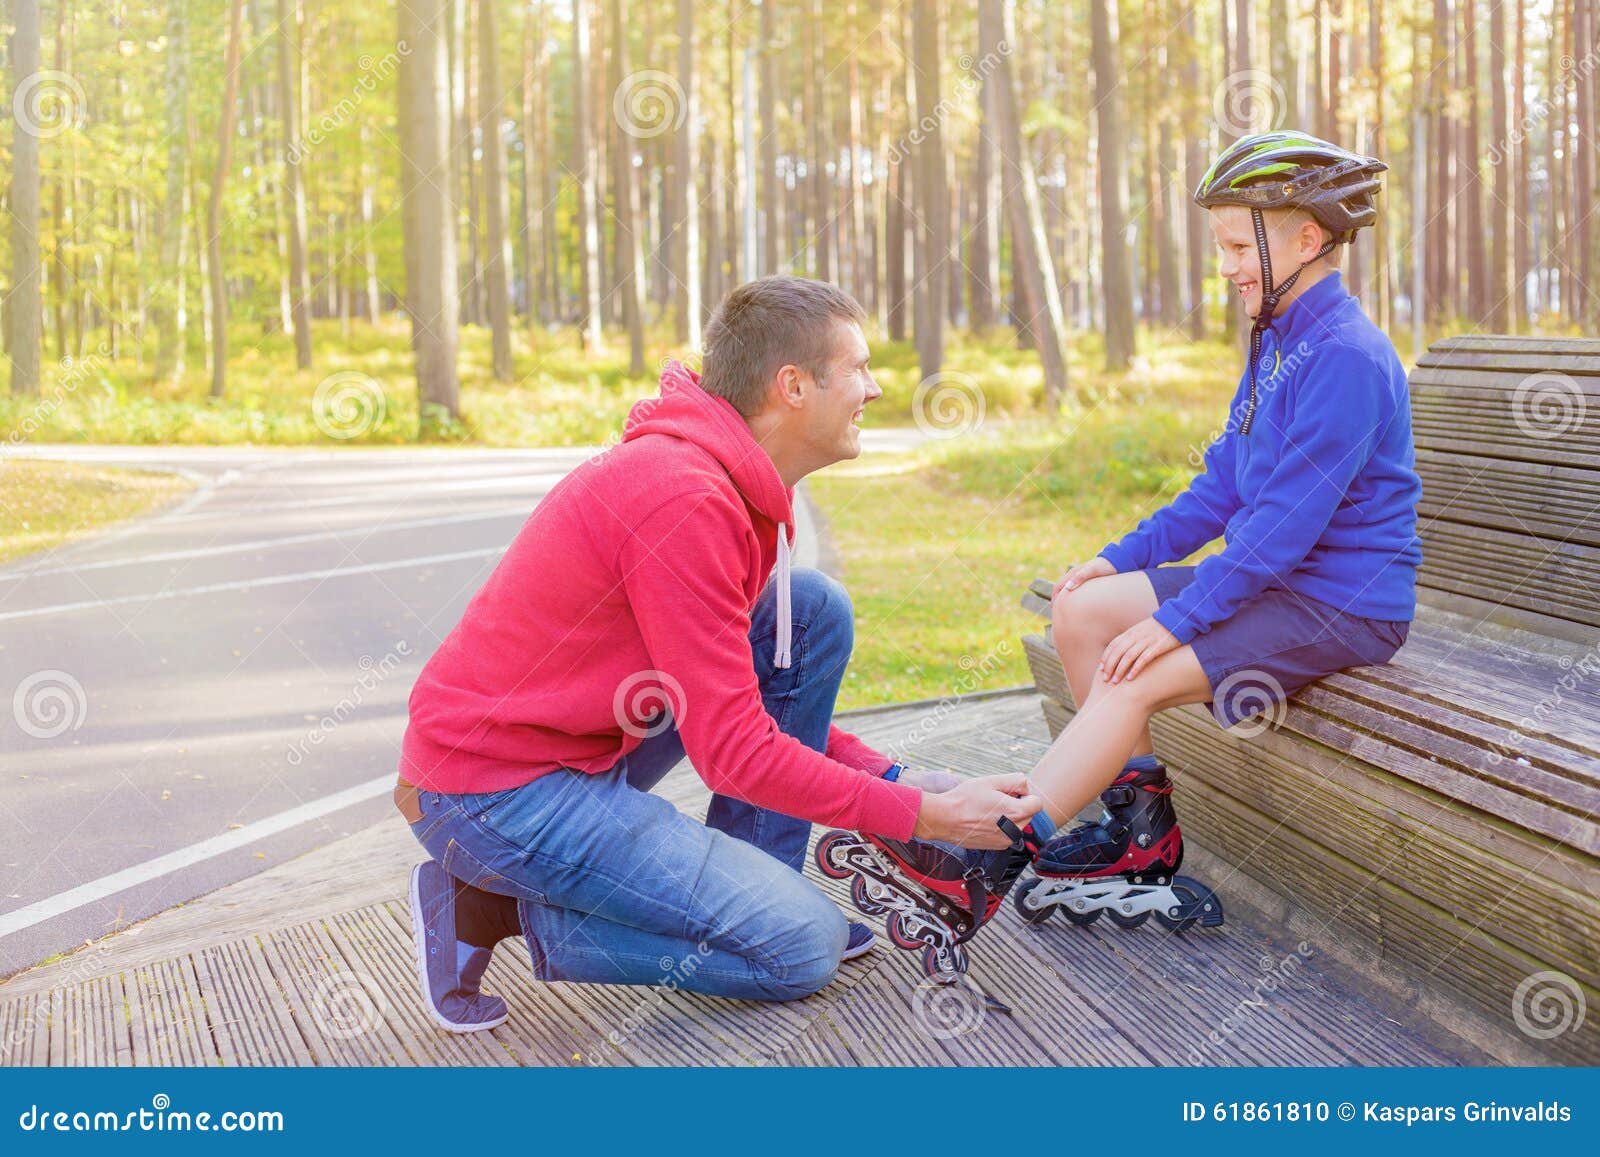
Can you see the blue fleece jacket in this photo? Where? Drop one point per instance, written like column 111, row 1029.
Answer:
column 1320, row 497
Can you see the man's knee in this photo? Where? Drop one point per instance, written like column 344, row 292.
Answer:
column 809, row 956
column 823, row 605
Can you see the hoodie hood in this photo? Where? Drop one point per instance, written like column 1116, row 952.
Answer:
column 683, row 410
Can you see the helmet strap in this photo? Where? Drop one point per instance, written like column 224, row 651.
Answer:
column 1270, row 296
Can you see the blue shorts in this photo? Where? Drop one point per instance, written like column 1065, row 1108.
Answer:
column 1277, row 643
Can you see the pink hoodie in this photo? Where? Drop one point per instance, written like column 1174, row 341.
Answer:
column 628, row 589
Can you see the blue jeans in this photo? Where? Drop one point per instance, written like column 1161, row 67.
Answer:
column 616, row 886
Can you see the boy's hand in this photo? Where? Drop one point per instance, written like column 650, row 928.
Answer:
column 1135, row 649
column 969, row 813
column 1075, row 577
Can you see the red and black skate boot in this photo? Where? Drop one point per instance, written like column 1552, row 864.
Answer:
column 1124, row 866
column 933, row 896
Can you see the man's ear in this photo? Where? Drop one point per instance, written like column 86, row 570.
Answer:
column 790, row 386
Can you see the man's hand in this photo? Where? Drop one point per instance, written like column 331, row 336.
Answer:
column 928, row 780
column 969, row 813
column 1076, row 576
column 1135, row 649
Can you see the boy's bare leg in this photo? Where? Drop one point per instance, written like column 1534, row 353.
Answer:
column 1085, row 620
column 1113, row 719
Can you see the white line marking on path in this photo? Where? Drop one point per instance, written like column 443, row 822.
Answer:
column 62, row 902
column 266, row 543
column 251, row 584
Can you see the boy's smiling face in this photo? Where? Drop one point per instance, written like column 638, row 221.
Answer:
column 1292, row 239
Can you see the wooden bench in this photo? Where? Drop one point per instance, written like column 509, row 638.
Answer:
column 1436, row 818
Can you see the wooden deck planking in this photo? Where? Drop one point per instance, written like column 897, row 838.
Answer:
column 338, row 987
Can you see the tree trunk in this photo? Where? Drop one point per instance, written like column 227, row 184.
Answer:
column 983, row 268
column 1522, row 209
column 588, row 194
column 1115, row 277
column 219, row 184
column 770, row 191
column 1501, row 273
column 934, row 216
column 167, row 295
column 428, row 206
column 631, row 287
column 686, row 271
column 289, row 81
column 1194, row 164
column 1476, row 224
column 1041, row 318
column 24, row 315
column 497, row 268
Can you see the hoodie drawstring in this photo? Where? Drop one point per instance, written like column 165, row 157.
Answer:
column 780, row 654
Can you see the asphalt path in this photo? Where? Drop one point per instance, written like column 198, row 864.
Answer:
column 189, row 698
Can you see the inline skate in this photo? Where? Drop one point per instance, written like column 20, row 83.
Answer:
column 933, row 896
column 1125, row 866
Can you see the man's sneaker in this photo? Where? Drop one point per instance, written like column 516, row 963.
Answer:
column 448, row 970
column 860, row 943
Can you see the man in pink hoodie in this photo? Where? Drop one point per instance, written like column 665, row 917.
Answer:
column 648, row 610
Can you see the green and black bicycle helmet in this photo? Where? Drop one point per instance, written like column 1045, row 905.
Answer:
column 1291, row 170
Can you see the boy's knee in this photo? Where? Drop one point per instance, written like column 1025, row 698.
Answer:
column 1074, row 623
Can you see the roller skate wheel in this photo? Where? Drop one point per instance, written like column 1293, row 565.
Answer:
column 829, row 860
column 861, row 897
column 1080, row 918
column 899, row 929
column 944, row 967
column 1122, row 920
column 1029, row 912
